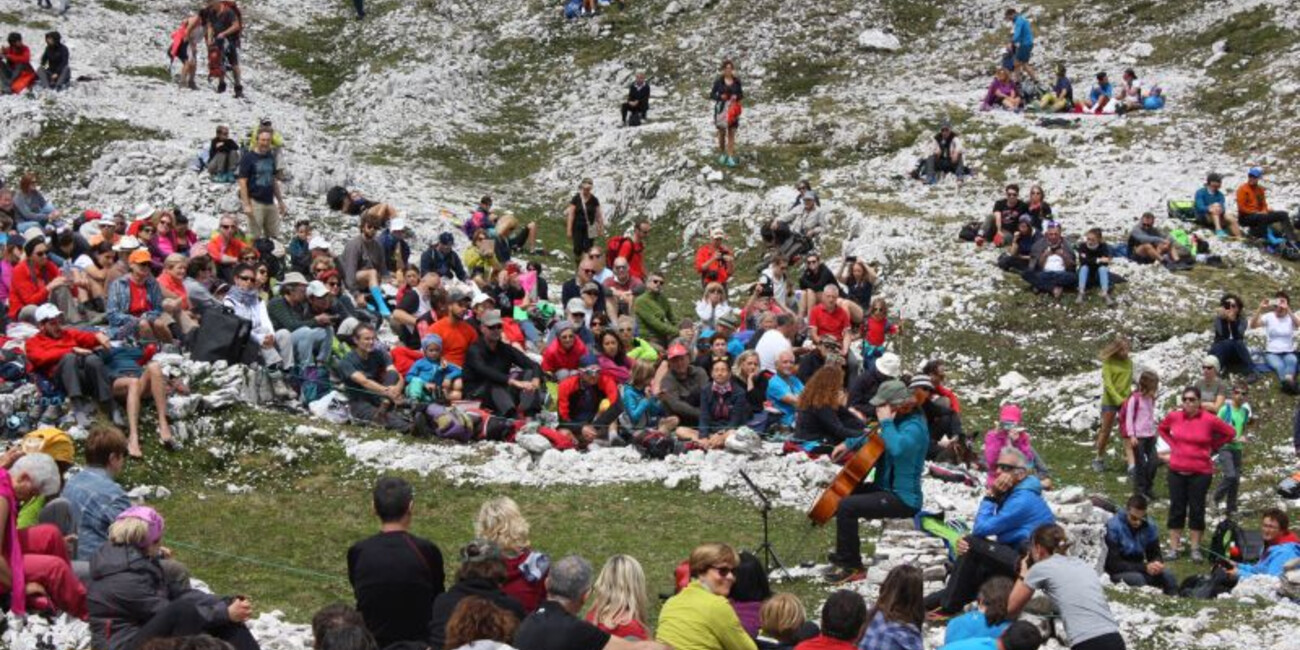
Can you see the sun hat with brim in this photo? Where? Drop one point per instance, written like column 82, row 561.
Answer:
column 293, row 277
column 893, row 393
column 52, row 442
column 47, row 312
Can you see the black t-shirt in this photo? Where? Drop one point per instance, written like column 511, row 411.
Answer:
column 260, row 170
column 395, row 578
column 584, row 220
column 552, row 627
column 410, row 303
column 817, row 280
column 372, row 367
column 1010, row 215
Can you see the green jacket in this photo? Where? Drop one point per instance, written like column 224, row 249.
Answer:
column 655, row 315
column 1116, row 381
column 697, row 619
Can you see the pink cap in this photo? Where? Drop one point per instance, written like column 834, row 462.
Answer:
column 1009, row 413
column 677, row 350
column 150, row 517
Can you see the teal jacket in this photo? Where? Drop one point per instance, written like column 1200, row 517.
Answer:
column 899, row 470
column 1273, row 560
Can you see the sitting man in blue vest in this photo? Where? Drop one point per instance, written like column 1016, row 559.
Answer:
column 1133, row 549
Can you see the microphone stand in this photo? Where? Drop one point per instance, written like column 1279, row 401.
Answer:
column 766, row 550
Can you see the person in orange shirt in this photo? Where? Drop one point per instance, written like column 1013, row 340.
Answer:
column 457, row 335
column 226, row 247
column 1252, row 208
column 714, row 260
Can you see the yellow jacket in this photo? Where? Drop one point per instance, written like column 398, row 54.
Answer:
column 697, row 619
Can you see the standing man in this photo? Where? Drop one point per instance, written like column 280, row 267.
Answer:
column 224, row 23
column 638, row 101
column 584, row 216
column 259, row 189
column 1022, row 44
column 395, row 575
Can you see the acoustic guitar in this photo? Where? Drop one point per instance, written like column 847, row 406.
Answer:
column 851, row 475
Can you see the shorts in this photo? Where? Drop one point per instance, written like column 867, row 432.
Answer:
column 183, row 53
column 1023, row 52
column 1109, row 408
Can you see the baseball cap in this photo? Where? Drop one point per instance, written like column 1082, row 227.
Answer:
column 457, row 296
column 480, row 298
column 676, row 350
column 397, row 224
column 729, row 321
column 889, row 364
column 149, row 516
column 92, row 215
column 921, row 381
column 892, row 392
column 52, row 442
column 318, row 243
column 292, row 277
column 140, row 256
column 810, row 196
column 591, row 287
column 1010, row 414
column 317, row 289
column 576, row 306
column 491, row 318
column 1255, row 172
column 589, row 362
column 348, row 326
column 47, row 312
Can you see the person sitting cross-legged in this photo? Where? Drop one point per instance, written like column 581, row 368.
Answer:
column 588, row 403
column 489, row 373
column 374, row 387
column 1133, row 549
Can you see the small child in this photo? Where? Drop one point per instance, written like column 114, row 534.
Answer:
column 1094, row 258
column 1139, row 431
column 1011, row 433
column 431, row 379
column 300, row 247
column 989, row 620
column 1237, row 413
column 875, row 328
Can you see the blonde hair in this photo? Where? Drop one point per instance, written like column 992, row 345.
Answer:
column 642, row 373
column 781, row 616
column 1118, row 348
column 619, row 593
column 500, row 521
column 712, row 554
column 129, row 531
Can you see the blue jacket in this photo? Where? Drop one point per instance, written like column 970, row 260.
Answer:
column 972, row 625
column 1129, row 550
column 1021, row 34
column 427, row 372
column 1272, row 561
column 899, row 470
column 1205, row 198
column 641, row 410
column 1013, row 518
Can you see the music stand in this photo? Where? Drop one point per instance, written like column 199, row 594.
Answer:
column 766, row 550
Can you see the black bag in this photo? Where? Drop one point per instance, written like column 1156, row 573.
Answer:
column 634, row 118
column 266, row 254
column 221, row 335
column 969, row 231
column 1207, row 587
column 1231, row 541
column 1289, row 488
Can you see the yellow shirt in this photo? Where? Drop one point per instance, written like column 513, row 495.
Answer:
column 697, row 619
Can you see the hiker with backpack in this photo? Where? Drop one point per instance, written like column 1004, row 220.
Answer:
column 1133, row 554
column 637, row 104
column 1193, row 435
column 727, row 94
column 1209, row 205
column 631, row 248
column 583, row 218
column 185, row 46
column 224, row 25
column 1254, row 213
column 1238, row 413
column 1279, row 324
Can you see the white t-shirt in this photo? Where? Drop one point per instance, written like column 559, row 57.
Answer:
column 1280, row 332
column 1054, row 262
column 772, row 343
column 84, row 262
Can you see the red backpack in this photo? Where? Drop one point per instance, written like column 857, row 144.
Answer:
column 614, row 249
column 1127, row 407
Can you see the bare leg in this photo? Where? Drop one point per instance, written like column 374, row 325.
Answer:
column 1103, row 436
column 128, row 389
column 731, row 141
column 722, row 141
column 157, row 387
column 1196, row 538
column 161, row 333
column 532, row 235
column 1176, row 539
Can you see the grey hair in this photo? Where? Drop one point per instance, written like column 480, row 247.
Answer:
column 570, row 578
column 1021, row 458
column 41, row 471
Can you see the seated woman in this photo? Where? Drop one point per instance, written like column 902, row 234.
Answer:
column 135, row 304
column 132, row 601
column 34, row 566
column 1020, row 256
column 989, row 619
column 36, row 280
column 176, row 298
column 614, row 360
column 859, row 282
column 749, row 374
column 148, row 236
column 481, row 259
column 131, row 383
column 1002, row 93
column 174, row 233
column 1279, row 324
column 642, row 408
column 94, row 264
column 712, row 305
column 749, row 591
column 1229, row 345
column 500, row 522
column 563, row 356
column 896, row 620
column 724, row 406
column 896, row 492
column 33, row 209
column 699, row 616
column 481, row 574
column 619, row 599
column 824, row 418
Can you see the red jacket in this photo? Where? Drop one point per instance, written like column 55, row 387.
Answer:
column 711, row 270
column 44, row 352
column 823, row 642
column 557, row 358
column 19, row 56
column 530, row 594
column 567, row 387
column 27, row 290
column 1193, row 440
column 634, row 252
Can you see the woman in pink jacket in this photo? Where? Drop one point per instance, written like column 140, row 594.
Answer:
column 1193, row 434
column 1011, row 433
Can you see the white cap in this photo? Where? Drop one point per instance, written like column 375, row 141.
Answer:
column 142, row 211
column 397, row 224
column 317, row 289
column 348, row 326
column 47, row 312
column 318, row 243
column 127, row 243
column 576, row 306
column 479, row 298
column 33, row 233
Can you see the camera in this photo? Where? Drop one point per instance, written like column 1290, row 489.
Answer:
column 851, row 259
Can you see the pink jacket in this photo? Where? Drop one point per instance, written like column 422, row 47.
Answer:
column 1192, row 440
column 994, row 441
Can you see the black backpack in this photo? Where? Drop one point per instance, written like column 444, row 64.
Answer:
column 1231, row 541
column 221, row 335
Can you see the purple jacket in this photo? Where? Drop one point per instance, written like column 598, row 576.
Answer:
column 747, row 612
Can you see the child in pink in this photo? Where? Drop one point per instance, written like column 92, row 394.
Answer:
column 1010, row 433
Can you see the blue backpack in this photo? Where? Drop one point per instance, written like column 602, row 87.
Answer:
column 572, row 9
column 315, row 383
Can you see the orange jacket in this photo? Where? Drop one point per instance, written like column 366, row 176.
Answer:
column 711, row 270
column 1250, row 199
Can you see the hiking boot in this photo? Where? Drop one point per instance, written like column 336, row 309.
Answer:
column 191, row 85
column 1110, row 302
column 722, row 159
column 281, row 389
column 1221, row 234
column 731, row 161
column 239, row 91
column 221, row 86
column 1196, row 556
column 1098, row 465
column 1078, row 300
column 838, row 575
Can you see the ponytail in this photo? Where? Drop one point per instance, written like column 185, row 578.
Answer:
column 1051, row 538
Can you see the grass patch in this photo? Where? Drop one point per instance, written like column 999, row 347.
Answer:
column 914, row 18
column 330, row 50
column 161, row 73
column 122, row 7
column 801, row 75
column 303, row 514
column 65, row 148
column 1001, row 156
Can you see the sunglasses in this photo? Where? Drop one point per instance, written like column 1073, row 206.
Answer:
column 40, row 253
column 493, row 327
column 1007, row 467
column 245, row 278
column 586, row 271
column 331, row 284
column 1238, row 392
column 1191, row 398
column 656, row 281
column 723, row 571
column 146, row 230
column 591, row 372
column 226, row 226
column 620, row 268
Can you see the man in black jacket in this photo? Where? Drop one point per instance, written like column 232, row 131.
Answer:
column 638, row 101
column 488, row 366
column 54, row 72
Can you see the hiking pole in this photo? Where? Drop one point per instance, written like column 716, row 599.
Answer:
column 766, row 549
